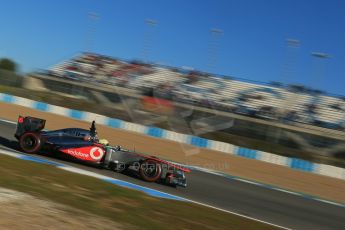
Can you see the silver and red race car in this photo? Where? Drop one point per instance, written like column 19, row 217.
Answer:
column 84, row 145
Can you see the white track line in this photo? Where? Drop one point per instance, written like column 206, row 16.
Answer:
column 328, row 202
column 7, row 121
column 247, row 181
column 287, row 191
column 236, row 214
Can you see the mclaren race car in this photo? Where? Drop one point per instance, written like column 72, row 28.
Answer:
column 84, row 145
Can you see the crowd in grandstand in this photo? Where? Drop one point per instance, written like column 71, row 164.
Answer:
column 267, row 101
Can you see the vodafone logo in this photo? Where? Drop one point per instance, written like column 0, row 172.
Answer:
column 89, row 153
column 76, row 153
column 96, row 153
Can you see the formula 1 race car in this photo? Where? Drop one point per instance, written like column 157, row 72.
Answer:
column 84, row 145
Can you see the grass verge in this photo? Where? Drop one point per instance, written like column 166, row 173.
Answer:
column 132, row 209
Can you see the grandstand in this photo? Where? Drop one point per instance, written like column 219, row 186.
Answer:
column 287, row 104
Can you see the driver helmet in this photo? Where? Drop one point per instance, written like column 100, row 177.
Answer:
column 103, row 141
column 87, row 138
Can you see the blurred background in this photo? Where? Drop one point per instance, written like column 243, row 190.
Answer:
column 264, row 75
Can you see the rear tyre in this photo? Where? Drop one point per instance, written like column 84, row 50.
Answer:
column 30, row 142
column 150, row 170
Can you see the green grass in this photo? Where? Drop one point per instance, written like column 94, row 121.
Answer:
column 132, row 209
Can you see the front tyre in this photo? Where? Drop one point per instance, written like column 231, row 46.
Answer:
column 150, row 170
column 30, row 142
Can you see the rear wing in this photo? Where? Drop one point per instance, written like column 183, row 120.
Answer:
column 29, row 124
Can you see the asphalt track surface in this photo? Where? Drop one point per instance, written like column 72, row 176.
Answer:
column 280, row 208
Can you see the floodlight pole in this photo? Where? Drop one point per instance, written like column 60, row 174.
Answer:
column 93, row 18
column 292, row 46
column 213, row 51
column 287, row 105
column 319, row 65
column 150, row 24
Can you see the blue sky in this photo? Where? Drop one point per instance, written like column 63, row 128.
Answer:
column 40, row 33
